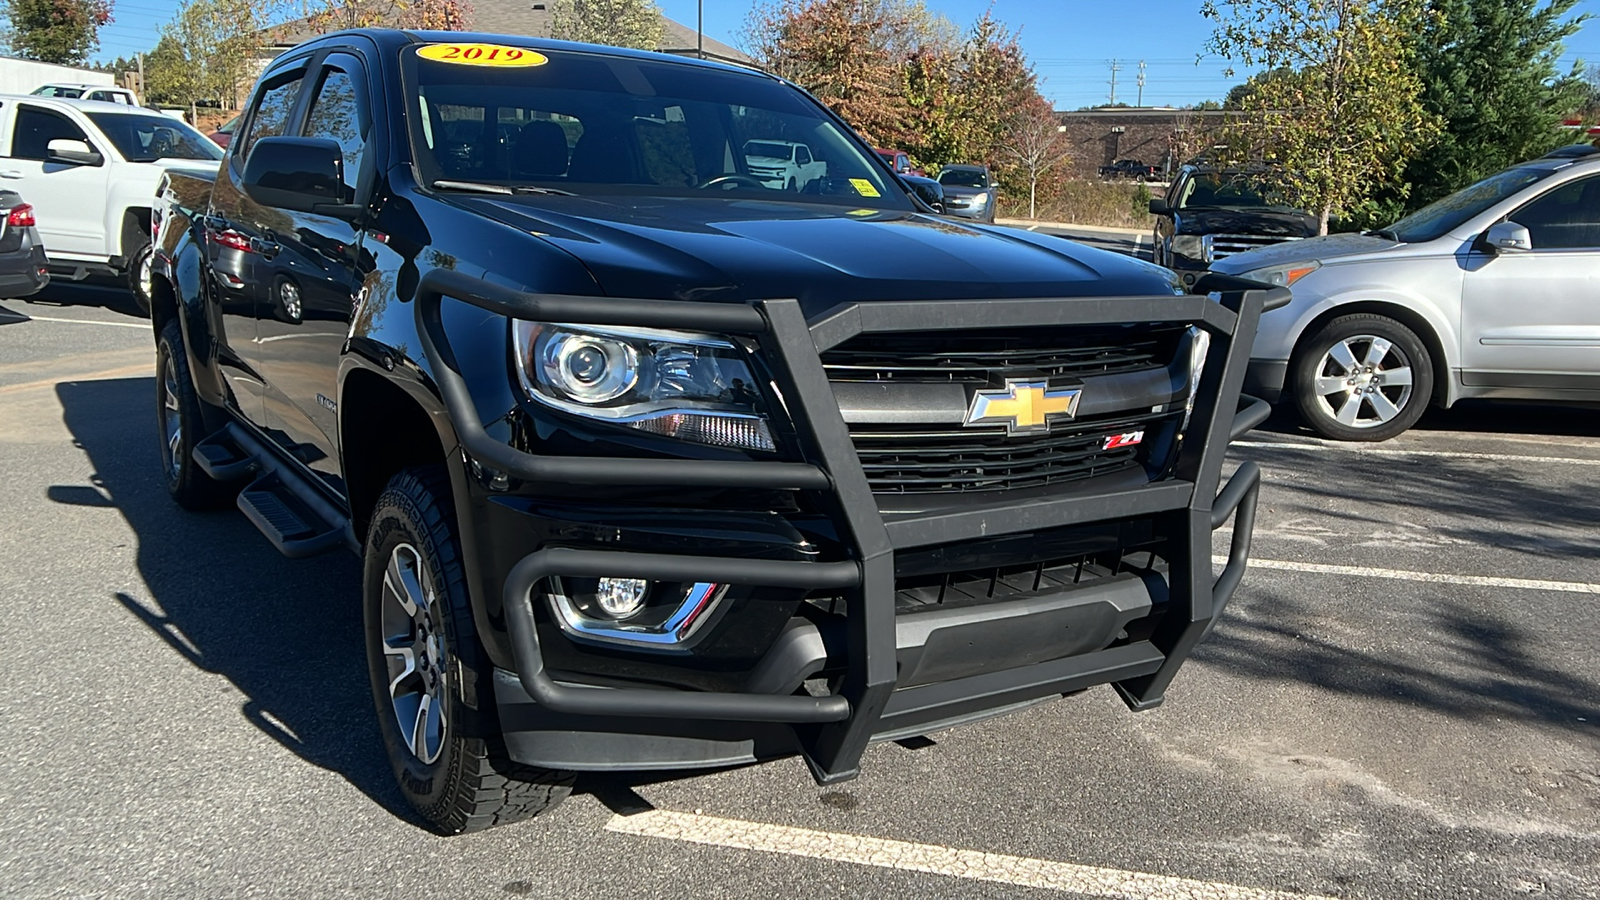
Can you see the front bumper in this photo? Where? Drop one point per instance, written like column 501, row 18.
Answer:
column 902, row 674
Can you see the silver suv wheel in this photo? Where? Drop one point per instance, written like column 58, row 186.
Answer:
column 1364, row 381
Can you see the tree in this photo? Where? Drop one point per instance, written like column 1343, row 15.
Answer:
column 322, row 16
column 1346, row 116
column 849, row 54
column 619, row 23
column 57, row 31
column 1036, row 145
column 205, row 53
column 1489, row 73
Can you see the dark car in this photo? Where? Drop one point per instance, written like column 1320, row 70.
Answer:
column 927, row 190
column 1210, row 214
column 1129, row 168
column 969, row 192
column 652, row 465
column 22, row 262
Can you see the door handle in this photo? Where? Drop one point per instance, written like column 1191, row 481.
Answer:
column 267, row 249
column 10, row 173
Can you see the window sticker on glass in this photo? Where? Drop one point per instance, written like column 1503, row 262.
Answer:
column 864, row 187
column 482, row 55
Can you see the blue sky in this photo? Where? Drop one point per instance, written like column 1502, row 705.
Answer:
column 1070, row 42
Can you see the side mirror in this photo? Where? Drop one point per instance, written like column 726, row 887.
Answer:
column 299, row 174
column 78, row 153
column 1507, row 237
column 1159, row 207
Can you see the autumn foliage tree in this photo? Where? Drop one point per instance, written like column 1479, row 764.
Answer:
column 57, row 31
column 1034, row 146
column 1341, row 114
column 205, row 53
column 618, row 23
column 322, row 16
column 904, row 77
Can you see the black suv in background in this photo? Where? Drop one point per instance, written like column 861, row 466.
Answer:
column 1211, row 213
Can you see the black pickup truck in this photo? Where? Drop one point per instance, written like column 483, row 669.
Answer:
column 651, row 466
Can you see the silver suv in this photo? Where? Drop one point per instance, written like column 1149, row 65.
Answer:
column 1492, row 292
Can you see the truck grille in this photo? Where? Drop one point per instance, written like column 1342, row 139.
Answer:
column 935, row 458
column 990, row 359
column 1222, row 245
column 901, row 459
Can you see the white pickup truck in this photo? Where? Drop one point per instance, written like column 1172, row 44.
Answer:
column 783, row 164
column 90, row 170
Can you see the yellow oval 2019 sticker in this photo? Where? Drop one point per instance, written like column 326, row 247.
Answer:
column 482, row 55
column 864, row 187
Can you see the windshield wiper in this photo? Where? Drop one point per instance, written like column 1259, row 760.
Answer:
column 485, row 188
column 1385, row 233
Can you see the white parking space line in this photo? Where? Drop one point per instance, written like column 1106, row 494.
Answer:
column 143, row 325
column 1092, row 881
column 1528, row 584
column 1396, row 451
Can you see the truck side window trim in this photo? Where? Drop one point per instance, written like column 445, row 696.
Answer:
column 351, row 69
column 41, row 154
column 245, row 136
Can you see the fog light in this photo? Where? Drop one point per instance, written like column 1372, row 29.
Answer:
column 620, row 598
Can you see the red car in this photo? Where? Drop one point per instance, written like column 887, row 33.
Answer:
column 224, row 133
column 898, row 161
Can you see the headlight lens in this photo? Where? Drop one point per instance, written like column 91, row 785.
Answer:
column 693, row 387
column 980, row 200
column 1283, row 276
column 1190, row 245
column 1199, row 346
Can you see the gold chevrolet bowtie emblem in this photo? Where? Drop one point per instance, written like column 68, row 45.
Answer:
column 1024, row 406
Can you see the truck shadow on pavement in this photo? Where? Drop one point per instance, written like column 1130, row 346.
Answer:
column 1458, row 663
column 287, row 634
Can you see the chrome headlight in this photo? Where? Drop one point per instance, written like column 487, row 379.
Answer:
column 1190, row 245
column 1283, row 276
column 980, row 199
column 684, row 385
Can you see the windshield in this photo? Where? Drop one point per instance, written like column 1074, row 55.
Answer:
column 592, row 124
column 1443, row 216
column 1231, row 190
column 50, row 90
column 972, row 178
column 149, row 138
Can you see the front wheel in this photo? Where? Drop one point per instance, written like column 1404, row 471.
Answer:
column 432, row 683
column 1363, row 377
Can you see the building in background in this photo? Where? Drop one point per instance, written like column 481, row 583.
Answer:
column 1158, row 136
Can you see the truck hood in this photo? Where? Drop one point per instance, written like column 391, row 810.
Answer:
column 1322, row 249
column 822, row 255
column 1268, row 222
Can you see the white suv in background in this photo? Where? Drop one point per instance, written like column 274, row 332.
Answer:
column 87, row 92
column 90, row 171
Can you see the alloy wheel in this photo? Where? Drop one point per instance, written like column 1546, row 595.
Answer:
column 1363, row 381
column 172, row 418
column 415, row 651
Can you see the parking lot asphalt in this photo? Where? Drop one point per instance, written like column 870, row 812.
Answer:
column 1403, row 699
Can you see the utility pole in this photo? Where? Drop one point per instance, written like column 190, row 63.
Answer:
column 140, row 58
column 1115, row 68
column 1141, row 84
column 700, row 30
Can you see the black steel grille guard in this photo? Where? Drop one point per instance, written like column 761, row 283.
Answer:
column 835, row 730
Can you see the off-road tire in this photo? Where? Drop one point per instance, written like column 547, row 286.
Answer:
column 1312, row 361
column 139, row 276
column 178, row 403
column 471, row 784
